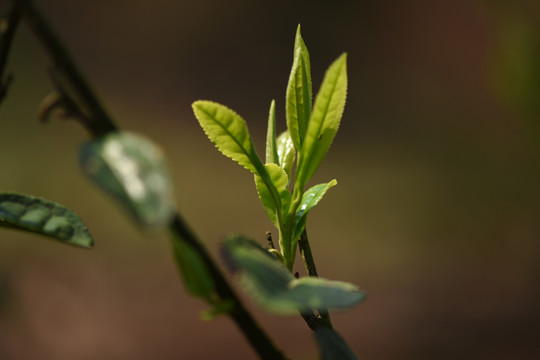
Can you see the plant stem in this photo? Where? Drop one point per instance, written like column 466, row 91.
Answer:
column 99, row 123
column 253, row 332
column 309, row 263
column 8, row 25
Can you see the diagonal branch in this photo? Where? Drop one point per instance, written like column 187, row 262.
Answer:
column 8, row 25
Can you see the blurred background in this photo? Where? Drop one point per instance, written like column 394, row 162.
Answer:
column 435, row 214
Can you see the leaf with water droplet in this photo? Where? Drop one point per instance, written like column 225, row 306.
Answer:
column 37, row 215
column 132, row 169
column 310, row 198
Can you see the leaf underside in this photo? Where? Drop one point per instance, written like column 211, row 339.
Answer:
column 274, row 288
column 134, row 171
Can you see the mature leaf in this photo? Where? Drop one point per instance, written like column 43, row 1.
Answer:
column 310, row 198
column 324, row 121
column 299, row 92
column 29, row 213
column 286, row 152
column 193, row 270
column 279, row 180
column 274, row 288
column 133, row 170
column 271, row 147
column 332, row 345
column 319, row 293
column 228, row 131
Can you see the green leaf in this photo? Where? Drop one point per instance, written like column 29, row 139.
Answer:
column 29, row 213
column 228, row 131
column 324, row 121
column 332, row 345
column 299, row 92
column 193, row 270
column 271, row 147
column 279, row 180
column 275, row 289
column 319, row 293
column 134, row 171
column 286, row 152
column 310, row 198
column 218, row 309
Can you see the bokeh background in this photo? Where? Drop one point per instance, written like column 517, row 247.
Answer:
column 436, row 214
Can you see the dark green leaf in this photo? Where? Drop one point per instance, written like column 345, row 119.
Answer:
column 299, row 93
column 29, row 213
column 274, row 288
column 332, row 345
column 319, row 293
column 133, row 170
column 193, row 270
column 324, row 121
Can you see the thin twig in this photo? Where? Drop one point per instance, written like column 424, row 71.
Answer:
column 309, row 263
column 8, row 25
column 98, row 121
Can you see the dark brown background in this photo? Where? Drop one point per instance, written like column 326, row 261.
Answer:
column 436, row 211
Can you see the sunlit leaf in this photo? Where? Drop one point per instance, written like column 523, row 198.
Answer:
column 279, row 180
column 275, row 289
column 332, row 346
column 324, row 121
column 310, row 198
column 271, row 147
column 193, row 270
column 299, row 93
column 29, row 213
column 132, row 169
column 228, row 131
column 286, row 152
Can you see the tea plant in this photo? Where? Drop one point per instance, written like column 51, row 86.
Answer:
column 133, row 170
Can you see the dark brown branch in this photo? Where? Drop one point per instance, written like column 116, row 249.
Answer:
column 98, row 121
column 8, row 26
column 311, row 269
